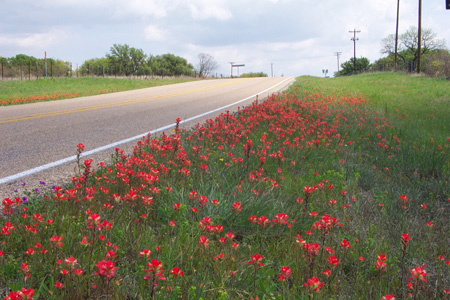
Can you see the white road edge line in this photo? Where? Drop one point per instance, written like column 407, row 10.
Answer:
column 137, row 137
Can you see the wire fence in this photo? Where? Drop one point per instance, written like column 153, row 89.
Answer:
column 34, row 71
column 39, row 70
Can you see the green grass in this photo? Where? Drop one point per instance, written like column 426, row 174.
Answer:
column 397, row 95
column 74, row 87
column 328, row 162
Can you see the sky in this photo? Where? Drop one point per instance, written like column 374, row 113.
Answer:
column 277, row 37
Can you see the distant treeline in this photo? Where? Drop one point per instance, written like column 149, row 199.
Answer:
column 254, row 74
column 122, row 60
column 23, row 66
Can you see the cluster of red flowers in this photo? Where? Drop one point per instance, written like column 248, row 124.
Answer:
column 32, row 99
column 160, row 188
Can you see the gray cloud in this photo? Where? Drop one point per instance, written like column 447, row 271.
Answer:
column 296, row 36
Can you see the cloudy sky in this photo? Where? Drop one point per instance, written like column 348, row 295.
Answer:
column 296, row 37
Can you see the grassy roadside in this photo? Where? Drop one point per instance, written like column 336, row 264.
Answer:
column 318, row 193
column 420, row 99
column 20, row 92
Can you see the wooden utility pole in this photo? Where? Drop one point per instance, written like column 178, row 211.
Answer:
column 396, row 35
column 419, row 38
column 354, row 39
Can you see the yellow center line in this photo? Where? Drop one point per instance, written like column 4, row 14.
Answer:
column 127, row 102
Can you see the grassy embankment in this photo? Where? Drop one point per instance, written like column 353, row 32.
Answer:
column 21, row 92
column 338, row 189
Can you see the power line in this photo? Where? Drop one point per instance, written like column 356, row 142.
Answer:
column 354, row 39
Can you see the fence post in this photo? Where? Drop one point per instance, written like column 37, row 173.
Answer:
column 2, row 71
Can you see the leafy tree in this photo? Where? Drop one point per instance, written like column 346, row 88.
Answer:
column 407, row 49
column 206, row 64
column 347, row 68
column 127, row 60
column 96, row 66
column 170, row 65
column 23, row 60
column 437, row 63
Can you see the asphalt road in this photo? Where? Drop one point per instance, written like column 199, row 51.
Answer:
column 38, row 141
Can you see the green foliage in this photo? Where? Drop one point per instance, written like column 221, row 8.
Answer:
column 407, row 48
column 254, row 74
column 354, row 67
column 96, row 66
column 127, row 60
column 170, row 65
column 25, row 66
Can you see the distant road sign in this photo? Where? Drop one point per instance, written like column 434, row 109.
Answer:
column 244, row 65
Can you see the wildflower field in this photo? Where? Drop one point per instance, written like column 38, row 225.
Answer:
column 30, row 91
column 335, row 189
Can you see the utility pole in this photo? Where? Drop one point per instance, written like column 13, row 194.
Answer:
column 396, row 35
column 231, row 63
column 271, row 68
column 419, row 39
column 338, row 54
column 354, row 39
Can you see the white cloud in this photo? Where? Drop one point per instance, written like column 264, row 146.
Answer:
column 297, row 36
column 154, row 33
column 207, row 9
column 33, row 40
column 147, row 8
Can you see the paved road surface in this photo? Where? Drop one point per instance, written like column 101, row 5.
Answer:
column 32, row 136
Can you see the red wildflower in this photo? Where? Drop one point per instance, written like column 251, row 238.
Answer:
column 418, row 273
column 256, row 260
column 380, row 263
column 345, row 244
column 314, row 284
column 106, row 269
column 237, row 207
column 145, row 253
column 333, row 261
column 71, row 261
column 405, row 239
column 204, row 242
column 176, row 272
column 285, row 273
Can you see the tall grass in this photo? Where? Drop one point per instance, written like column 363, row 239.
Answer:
column 318, row 193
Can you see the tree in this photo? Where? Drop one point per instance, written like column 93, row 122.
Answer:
column 437, row 63
column 408, row 44
column 206, row 64
column 170, row 65
column 127, row 60
column 96, row 66
column 362, row 65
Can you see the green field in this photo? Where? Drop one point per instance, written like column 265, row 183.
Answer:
column 338, row 188
column 63, row 88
